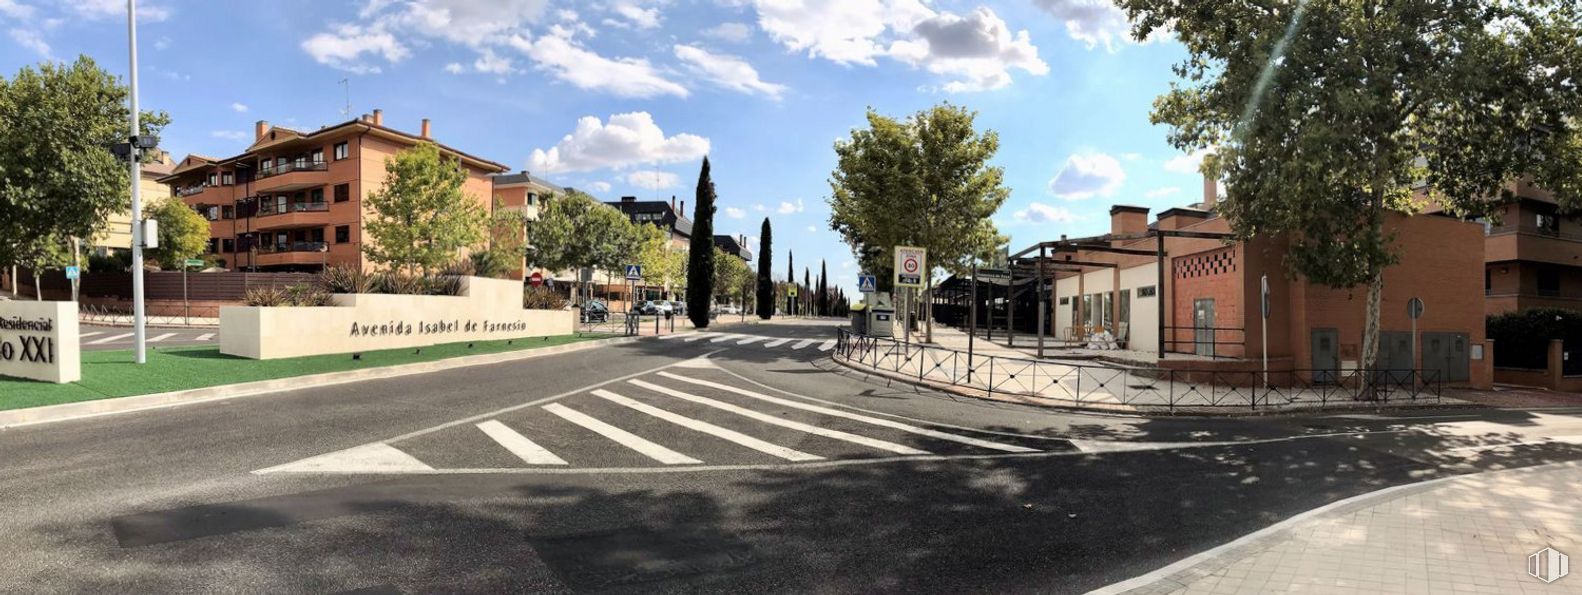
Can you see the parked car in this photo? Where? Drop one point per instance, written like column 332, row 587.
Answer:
column 680, row 308
column 595, row 311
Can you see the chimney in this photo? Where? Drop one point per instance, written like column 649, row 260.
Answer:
column 260, row 129
column 379, row 117
column 1210, row 192
column 1127, row 219
column 683, row 211
column 426, row 129
column 672, row 202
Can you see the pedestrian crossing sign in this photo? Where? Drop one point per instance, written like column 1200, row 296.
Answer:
column 634, row 272
column 867, row 283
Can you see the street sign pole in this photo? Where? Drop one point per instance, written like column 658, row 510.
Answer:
column 972, row 320
column 1265, row 303
column 186, row 307
column 1414, row 310
column 138, row 329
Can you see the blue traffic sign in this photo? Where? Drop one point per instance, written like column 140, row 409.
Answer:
column 72, row 272
column 634, row 272
column 867, row 283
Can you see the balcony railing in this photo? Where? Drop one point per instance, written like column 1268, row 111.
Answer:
column 191, row 190
column 273, row 247
column 267, row 209
column 1531, row 230
column 291, row 166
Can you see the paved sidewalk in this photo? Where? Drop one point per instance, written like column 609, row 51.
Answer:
column 1467, row 534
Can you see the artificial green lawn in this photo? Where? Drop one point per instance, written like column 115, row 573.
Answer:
column 107, row 374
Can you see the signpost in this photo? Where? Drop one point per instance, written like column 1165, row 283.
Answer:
column 910, row 265
column 1264, row 286
column 867, row 283
column 72, row 273
column 1414, row 310
column 536, row 279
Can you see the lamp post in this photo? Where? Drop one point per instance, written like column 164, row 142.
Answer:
column 138, row 327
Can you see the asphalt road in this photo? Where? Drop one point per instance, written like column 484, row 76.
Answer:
column 97, row 338
column 682, row 465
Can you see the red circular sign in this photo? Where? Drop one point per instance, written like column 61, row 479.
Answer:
column 909, row 263
column 537, row 279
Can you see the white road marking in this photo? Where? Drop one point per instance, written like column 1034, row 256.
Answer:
column 827, row 345
column 519, row 445
column 205, row 336
column 803, row 343
column 708, row 428
column 110, row 339
column 669, row 337
column 695, row 336
column 777, row 343
column 377, row 457
column 784, row 423
column 852, row 416
column 725, row 337
column 161, row 337
column 622, row 437
column 750, row 340
column 86, row 335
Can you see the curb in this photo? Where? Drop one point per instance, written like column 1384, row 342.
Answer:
column 1163, row 578
column 114, row 405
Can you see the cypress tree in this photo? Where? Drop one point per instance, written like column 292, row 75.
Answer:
column 700, row 264
column 766, row 286
column 807, row 290
column 823, row 289
column 790, row 280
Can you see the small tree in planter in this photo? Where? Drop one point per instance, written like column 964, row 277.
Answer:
column 420, row 217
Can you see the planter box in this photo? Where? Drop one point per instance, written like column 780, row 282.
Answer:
column 489, row 309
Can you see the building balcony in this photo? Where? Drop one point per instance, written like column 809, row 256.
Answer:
column 1523, row 245
column 529, row 212
column 299, row 253
column 292, row 215
column 292, row 175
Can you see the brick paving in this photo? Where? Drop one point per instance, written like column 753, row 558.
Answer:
column 1468, row 534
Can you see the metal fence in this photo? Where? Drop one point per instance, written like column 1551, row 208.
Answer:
column 1104, row 385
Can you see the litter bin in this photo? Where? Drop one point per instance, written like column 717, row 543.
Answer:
column 859, row 318
column 881, row 316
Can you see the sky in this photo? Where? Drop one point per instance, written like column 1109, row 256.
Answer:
column 625, row 97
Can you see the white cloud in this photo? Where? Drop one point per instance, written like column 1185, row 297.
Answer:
column 735, row 213
column 491, row 63
column 472, row 23
column 147, row 12
column 600, row 186
column 759, row 207
column 162, row 43
column 561, row 56
column 229, row 134
column 1189, row 163
column 455, row 68
column 1041, row 213
column 843, row 31
column 729, row 32
column 728, row 71
column 1086, row 176
column 15, row 10
column 978, row 48
column 626, row 140
column 1162, row 192
column 1093, row 22
column 32, row 41
column 787, row 208
column 812, row 229
column 653, row 179
column 633, row 15
column 345, row 47
column 238, row 107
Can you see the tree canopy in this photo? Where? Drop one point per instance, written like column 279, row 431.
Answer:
column 183, row 233
column 420, row 219
column 664, row 264
column 1324, row 116
column 575, row 231
column 701, row 260
column 766, row 286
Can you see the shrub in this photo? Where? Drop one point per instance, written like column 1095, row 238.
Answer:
column 307, row 294
column 1521, row 338
column 342, row 278
column 442, row 285
column 117, row 261
column 542, row 298
column 489, row 264
column 399, row 284
column 266, row 297
column 463, row 267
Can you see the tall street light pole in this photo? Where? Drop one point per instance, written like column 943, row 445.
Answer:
column 138, row 330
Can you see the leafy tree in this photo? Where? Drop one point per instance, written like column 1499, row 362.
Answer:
column 40, row 254
column 700, row 264
column 733, row 279
column 920, row 182
column 58, row 177
column 574, row 231
column 663, row 263
column 1324, row 116
column 507, row 243
column 766, row 286
column 420, row 218
column 183, row 233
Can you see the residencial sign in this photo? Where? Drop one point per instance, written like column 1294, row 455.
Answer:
column 867, row 283
column 38, row 341
column 634, row 272
column 910, row 263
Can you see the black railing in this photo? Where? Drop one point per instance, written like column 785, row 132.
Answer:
column 268, row 208
column 1201, row 339
column 1098, row 386
column 272, row 247
column 291, row 166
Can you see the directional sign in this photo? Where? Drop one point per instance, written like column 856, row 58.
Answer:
column 867, row 283
column 634, row 272
column 536, row 280
column 72, row 272
column 1414, row 308
column 194, row 262
column 910, row 263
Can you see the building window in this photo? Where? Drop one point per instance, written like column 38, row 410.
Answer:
column 1548, row 222
column 227, row 212
column 214, row 246
column 317, row 235
column 317, row 196
column 1548, row 282
column 213, row 213
column 318, row 156
column 340, row 151
column 532, row 199
column 228, row 179
column 228, row 246
column 343, row 192
column 211, row 179
column 1147, row 291
column 343, row 234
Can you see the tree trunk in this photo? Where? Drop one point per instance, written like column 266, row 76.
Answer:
column 928, row 306
column 1370, row 327
column 38, row 287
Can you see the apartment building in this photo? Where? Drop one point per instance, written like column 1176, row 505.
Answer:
column 116, row 233
column 1532, row 252
column 525, row 192
column 667, row 215
column 735, row 246
column 294, row 200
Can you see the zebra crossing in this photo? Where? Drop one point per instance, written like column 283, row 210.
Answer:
column 685, row 417
column 123, row 337
column 759, row 341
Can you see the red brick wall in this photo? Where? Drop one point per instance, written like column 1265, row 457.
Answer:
column 1213, row 274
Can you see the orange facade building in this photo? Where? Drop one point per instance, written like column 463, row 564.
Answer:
column 294, row 201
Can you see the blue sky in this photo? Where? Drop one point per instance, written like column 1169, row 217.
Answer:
column 623, row 97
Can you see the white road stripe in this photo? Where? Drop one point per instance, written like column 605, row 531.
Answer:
column 708, row 428
column 725, row 337
column 110, row 339
column 86, row 335
column 519, row 445
column 803, row 343
column 784, row 423
column 827, row 345
column 695, row 336
column 622, row 437
column 675, row 336
column 750, row 340
column 161, row 337
column 205, row 336
column 852, row 416
column 777, row 342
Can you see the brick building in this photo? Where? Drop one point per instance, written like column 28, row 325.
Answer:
column 1532, row 253
column 293, row 201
